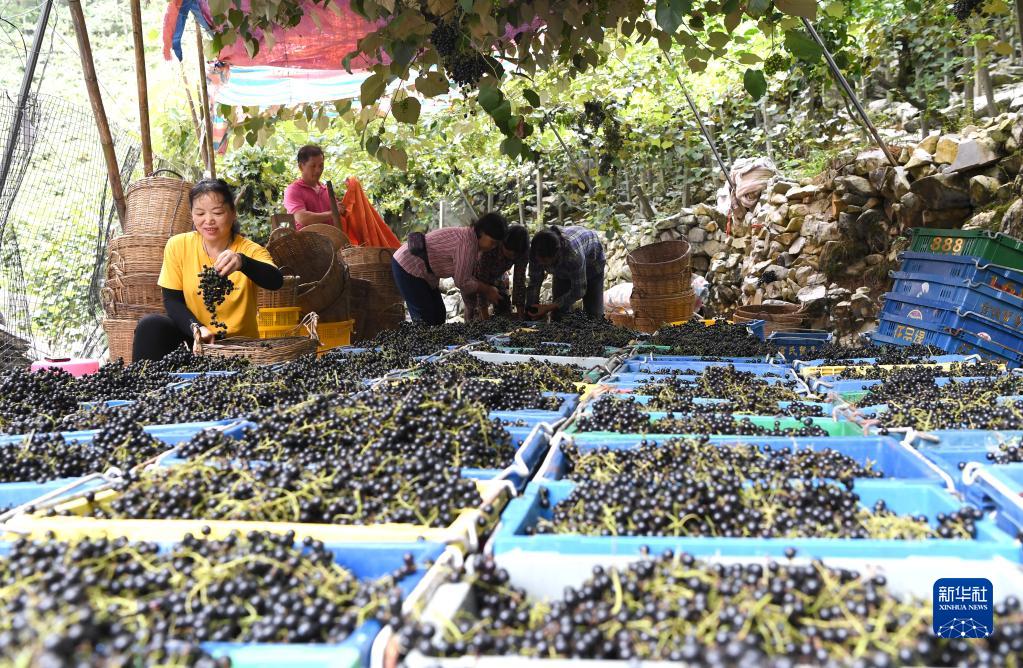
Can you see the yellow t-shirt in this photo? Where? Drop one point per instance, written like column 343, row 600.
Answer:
column 183, row 260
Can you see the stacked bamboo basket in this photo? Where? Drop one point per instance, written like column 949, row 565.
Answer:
column 376, row 302
column 156, row 209
column 662, row 291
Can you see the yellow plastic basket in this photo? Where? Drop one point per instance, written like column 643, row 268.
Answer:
column 276, row 332
column 279, row 317
column 334, row 334
column 466, row 531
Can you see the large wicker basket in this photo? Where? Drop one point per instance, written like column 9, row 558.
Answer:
column 286, row 297
column 131, row 311
column 657, row 261
column 158, row 205
column 776, row 317
column 120, row 336
column 316, row 296
column 653, row 312
column 309, row 256
column 137, row 289
column 135, row 254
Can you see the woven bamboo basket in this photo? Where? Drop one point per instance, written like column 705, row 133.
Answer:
column 664, row 259
column 622, row 317
column 776, row 317
column 137, row 289
column 309, row 256
column 337, row 238
column 286, row 297
column 264, row 351
column 668, row 286
column 120, row 336
column 653, row 312
column 340, row 310
column 317, row 296
column 158, row 205
column 374, row 313
column 135, row 254
column 131, row 311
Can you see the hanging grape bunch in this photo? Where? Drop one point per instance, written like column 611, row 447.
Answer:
column 962, row 9
column 778, row 62
column 214, row 289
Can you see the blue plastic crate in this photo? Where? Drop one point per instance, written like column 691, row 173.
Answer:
column 630, row 379
column 799, row 343
column 366, row 561
column 669, row 359
column 1003, row 486
column 903, row 497
column 644, row 399
column 172, row 434
column 1001, row 307
column 861, row 361
column 956, row 447
column 534, row 416
column 14, row 494
column 898, row 330
column 964, row 267
column 884, row 453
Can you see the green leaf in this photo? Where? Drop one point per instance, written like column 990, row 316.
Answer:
column 758, row 8
column 837, row 10
column 373, row 145
column 406, row 110
column 717, row 39
column 218, row 7
column 669, row 14
column 432, row 84
column 489, row 98
column 371, row 90
column 511, row 147
column 531, row 97
column 502, row 113
column 802, row 46
column 806, row 9
column 755, row 83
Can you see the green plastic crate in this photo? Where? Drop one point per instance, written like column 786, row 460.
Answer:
column 991, row 246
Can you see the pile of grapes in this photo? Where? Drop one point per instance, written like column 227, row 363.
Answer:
column 834, row 354
column 576, row 334
column 675, row 608
column 956, row 370
column 627, row 416
column 107, row 602
column 722, row 339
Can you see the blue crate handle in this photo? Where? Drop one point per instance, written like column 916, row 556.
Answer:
column 975, row 472
column 519, row 465
column 111, row 476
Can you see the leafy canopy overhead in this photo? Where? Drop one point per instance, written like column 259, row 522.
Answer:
column 426, row 48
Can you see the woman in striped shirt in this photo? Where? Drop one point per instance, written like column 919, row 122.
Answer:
column 451, row 252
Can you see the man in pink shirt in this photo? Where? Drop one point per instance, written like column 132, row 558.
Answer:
column 307, row 199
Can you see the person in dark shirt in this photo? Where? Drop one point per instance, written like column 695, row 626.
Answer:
column 492, row 268
column 574, row 256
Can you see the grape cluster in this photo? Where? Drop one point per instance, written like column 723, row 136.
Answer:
column 34, row 401
column 675, row 502
column 415, row 339
column 466, row 68
column 1009, row 452
column 41, row 457
column 114, row 603
column 675, row 608
column 962, row 9
column 833, row 353
column 956, row 370
column 214, row 289
column 776, row 63
column 445, row 37
column 722, row 339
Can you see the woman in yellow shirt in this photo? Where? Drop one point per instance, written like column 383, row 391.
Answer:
column 216, row 243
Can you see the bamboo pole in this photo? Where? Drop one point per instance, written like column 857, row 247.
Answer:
column 522, row 201
column 195, row 118
column 140, row 78
column 96, row 100
column 205, row 100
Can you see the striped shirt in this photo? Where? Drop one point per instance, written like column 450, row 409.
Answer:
column 492, row 269
column 452, row 252
column 581, row 256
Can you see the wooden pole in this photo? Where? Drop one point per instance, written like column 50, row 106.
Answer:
column 205, row 100
column 140, row 77
column 195, row 119
column 522, row 202
column 539, row 197
column 106, row 140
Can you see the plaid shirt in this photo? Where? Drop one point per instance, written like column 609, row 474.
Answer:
column 492, row 269
column 581, row 256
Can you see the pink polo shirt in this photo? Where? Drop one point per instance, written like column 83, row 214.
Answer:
column 300, row 196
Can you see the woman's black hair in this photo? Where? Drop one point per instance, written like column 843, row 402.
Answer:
column 493, row 225
column 546, row 243
column 517, row 240
column 218, row 187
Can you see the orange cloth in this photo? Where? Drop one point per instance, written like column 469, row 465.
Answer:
column 361, row 222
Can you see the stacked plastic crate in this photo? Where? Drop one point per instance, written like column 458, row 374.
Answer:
column 959, row 290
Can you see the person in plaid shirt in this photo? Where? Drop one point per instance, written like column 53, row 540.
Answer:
column 492, row 269
column 574, row 256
